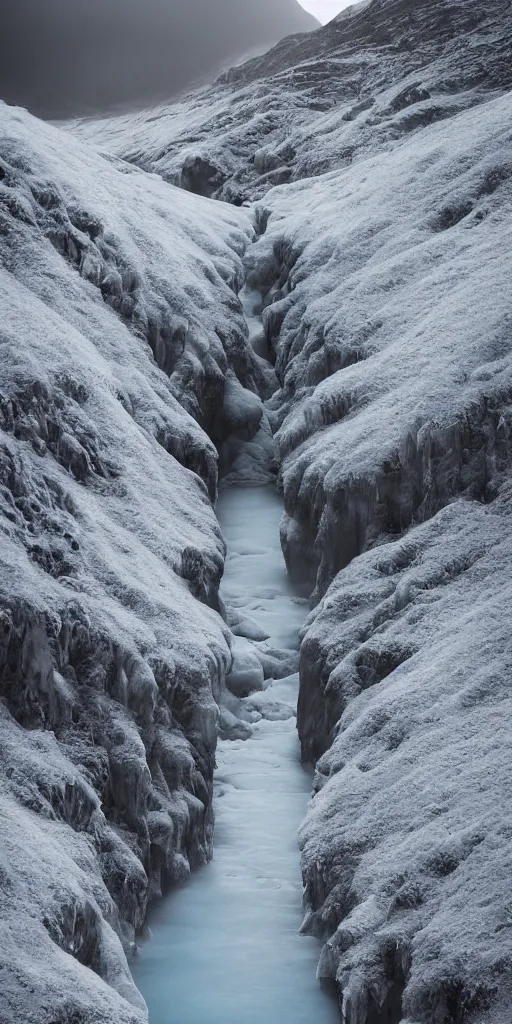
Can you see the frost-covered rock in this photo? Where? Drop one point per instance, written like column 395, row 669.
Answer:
column 407, row 845
column 374, row 75
column 390, row 324
column 121, row 334
column 246, row 673
column 384, row 266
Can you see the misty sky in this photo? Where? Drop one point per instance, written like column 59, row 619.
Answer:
column 65, row 57
column 324, row 10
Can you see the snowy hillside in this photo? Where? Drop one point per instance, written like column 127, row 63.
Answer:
column 385, row 264
column 358, row 86
column 112, row 652
column 407, row 845
column 377, row 157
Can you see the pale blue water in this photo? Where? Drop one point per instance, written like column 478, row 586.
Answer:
column 225, row 949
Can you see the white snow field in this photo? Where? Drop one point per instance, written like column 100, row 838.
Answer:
column 226, row 948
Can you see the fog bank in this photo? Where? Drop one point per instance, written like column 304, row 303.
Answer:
column 59, row 57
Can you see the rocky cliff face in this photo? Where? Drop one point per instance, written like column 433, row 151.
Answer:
column 384, row 268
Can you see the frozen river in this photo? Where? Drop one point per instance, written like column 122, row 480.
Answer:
column 226, row 949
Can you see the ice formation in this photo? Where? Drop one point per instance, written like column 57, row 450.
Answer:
column 377, row 159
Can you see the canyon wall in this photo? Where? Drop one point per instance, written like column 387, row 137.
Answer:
column 378, row 154
column 120, row 332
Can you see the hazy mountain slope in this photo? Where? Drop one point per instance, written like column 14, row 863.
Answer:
column 112, row 653
column 61, row 58
column 357, row 86
column 384, row 263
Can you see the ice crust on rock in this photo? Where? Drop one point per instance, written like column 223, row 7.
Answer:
column 392, row 338
column 391, row 330
column 121, row 331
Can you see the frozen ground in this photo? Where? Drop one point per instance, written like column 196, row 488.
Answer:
column 226, row 948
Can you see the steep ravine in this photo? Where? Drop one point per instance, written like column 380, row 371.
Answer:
column 123, row 382
column 226, row 948
column 121, row 337
column 397, row 497
column 227, row 945
column 385, row 272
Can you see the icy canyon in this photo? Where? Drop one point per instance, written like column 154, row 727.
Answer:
column 291, row 288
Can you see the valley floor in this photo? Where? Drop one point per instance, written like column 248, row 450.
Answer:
column 226, row 948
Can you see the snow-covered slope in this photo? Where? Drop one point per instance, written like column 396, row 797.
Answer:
column 360, row 85
column 111, row 650
column 384, row 265
column 407, row 845
column 388, row 304
column 389, row 315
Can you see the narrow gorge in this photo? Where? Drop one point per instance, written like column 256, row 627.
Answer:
column 271, row 320
column 227, row 945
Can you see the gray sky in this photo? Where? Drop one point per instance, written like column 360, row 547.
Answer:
column 64, row 57
column 324, row 10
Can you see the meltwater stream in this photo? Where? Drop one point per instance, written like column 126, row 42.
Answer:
column 226, row 949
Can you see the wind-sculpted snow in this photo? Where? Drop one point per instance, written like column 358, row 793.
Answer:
column 111, row 651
